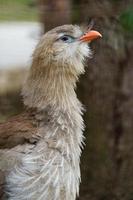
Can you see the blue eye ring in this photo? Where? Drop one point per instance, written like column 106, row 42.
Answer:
column 67, row 38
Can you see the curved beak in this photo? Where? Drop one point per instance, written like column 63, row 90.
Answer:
column 89, row 36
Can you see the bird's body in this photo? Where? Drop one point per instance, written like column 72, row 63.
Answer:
column 40, row 149
column 48, row 168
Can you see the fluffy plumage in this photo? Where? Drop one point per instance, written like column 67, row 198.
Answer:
column 40, row 149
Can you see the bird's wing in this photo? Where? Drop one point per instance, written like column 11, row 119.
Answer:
column 15, row 134
column 17, row 130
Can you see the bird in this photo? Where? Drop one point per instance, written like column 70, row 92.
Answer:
column 40, row 148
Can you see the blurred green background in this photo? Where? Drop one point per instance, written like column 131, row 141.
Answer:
column 18, row 10
column 106, row 89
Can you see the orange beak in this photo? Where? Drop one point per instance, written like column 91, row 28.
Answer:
column 89, row 36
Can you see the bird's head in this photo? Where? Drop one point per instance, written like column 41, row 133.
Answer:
column 65, row 48
column 56, row 66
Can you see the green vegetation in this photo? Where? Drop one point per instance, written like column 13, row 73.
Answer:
column 17, row 10
column 126, row 20
column 16, row 1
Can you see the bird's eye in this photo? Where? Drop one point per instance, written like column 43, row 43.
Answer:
column 67, row 38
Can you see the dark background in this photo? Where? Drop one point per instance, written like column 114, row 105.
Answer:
column 106, row 89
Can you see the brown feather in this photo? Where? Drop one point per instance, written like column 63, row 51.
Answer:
column 17, row 130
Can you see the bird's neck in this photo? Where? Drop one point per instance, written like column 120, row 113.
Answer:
column 60, row 112
column 53, row 86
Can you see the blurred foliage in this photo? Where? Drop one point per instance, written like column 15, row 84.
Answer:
column 14, row 10
column 30, row 3
column 126, row 20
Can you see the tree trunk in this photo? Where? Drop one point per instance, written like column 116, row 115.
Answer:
column 54, row 13
column 107, row 92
